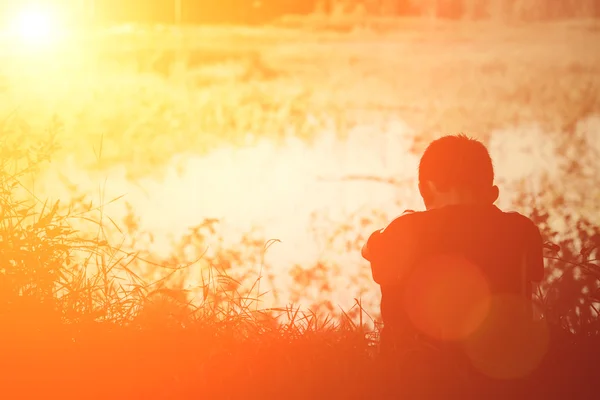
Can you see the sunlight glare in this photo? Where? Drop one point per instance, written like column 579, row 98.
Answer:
column 36, row 25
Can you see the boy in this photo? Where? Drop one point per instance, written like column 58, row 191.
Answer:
column 496, row 252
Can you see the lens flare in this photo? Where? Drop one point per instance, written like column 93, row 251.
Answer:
column 447, row 297
column 510, row 344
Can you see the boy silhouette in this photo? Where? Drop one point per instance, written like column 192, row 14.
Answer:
column 461, row 246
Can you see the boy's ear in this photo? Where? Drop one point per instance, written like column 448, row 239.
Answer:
column 494, row 194
column 424, row 190
column 427, row 190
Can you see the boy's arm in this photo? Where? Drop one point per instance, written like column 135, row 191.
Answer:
column 388, row 251
column 374, row 251
column 365, row 251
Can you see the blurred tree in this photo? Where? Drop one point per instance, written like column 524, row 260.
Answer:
column 262, row 11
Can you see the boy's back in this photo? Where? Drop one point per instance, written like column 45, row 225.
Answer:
column 442, row 271
column 505, row 248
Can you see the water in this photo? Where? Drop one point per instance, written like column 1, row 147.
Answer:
column 280, row 188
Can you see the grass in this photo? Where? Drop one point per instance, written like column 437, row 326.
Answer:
column 90, row 307
column 70, row 322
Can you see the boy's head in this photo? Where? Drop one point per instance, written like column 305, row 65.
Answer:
column 456, row 169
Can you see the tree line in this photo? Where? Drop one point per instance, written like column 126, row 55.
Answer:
column 262, row 11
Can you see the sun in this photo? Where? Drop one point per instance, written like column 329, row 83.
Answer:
column 35, row 25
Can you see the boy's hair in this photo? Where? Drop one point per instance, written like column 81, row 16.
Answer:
column 457, row 161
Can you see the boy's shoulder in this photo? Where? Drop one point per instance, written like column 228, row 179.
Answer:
column 522, row 222
column 410, row 219
column 404, row 220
